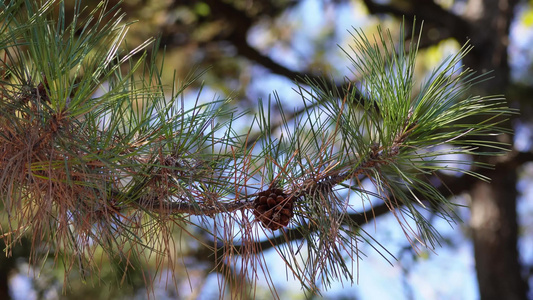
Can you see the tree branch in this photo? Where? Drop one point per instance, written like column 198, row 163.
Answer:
column 158, row 206
column 289, row 235
column 429, row 12
column 241, row 23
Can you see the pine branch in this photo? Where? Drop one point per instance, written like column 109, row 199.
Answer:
column 117, row 173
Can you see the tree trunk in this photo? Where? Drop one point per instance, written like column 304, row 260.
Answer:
column 495, row 232
column 494, row 218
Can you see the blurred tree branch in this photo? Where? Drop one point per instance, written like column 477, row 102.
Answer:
column 445, row 22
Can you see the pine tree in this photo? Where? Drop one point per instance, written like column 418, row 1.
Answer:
column 99, row 159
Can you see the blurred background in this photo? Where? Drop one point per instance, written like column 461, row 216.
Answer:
column 251, row 48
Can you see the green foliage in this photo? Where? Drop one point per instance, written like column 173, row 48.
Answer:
column 103, row 164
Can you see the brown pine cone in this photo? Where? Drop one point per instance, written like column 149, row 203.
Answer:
column 273, row 208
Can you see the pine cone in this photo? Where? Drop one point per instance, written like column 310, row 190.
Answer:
column 273, row 208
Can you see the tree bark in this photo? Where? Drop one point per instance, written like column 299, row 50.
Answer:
column 493, row 212
column 495, row 231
